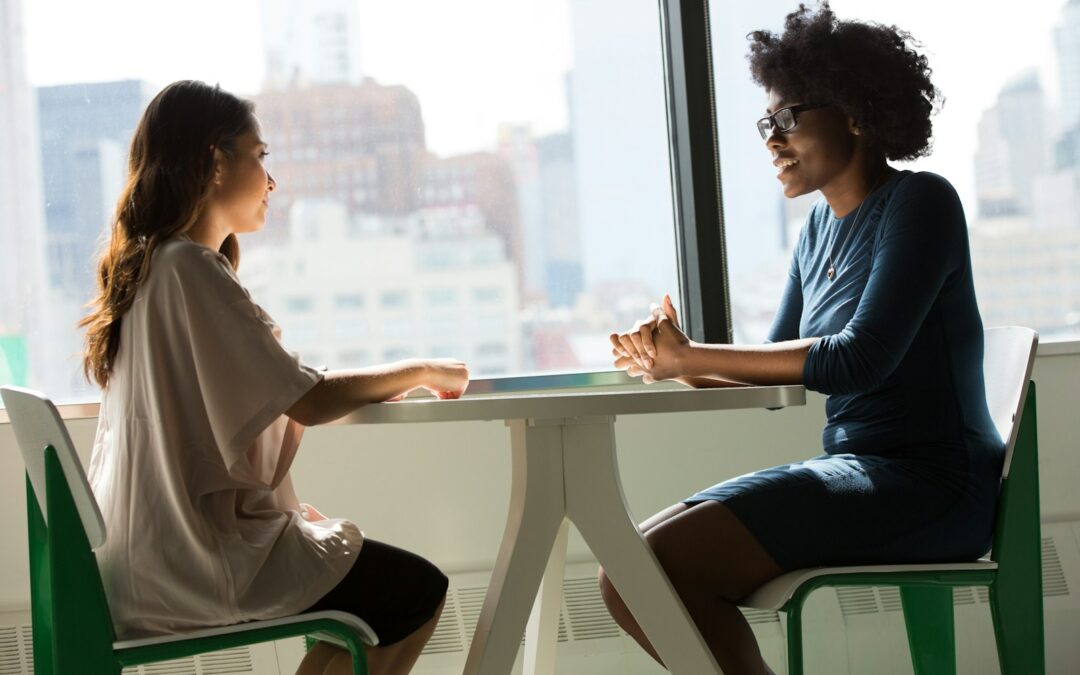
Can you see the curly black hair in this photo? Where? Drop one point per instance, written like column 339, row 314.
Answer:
column 869, row 71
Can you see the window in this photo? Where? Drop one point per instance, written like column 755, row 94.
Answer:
column 394, row 299
column 543, row 173
column 1007, row 138
column 440, row 297
column 349, row 301
column 487, row 295
column 299, row 304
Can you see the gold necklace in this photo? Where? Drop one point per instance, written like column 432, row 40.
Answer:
column 831, row 272
column 833, row 252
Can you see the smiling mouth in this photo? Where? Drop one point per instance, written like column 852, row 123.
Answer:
column 783, row 165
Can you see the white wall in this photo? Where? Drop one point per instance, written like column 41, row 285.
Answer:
column 442, row 489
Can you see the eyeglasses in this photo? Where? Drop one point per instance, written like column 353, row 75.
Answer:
column 784, row 119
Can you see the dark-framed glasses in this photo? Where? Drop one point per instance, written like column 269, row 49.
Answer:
column 784, row 119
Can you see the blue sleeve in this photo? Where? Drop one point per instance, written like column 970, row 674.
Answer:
column 923, row 231
column 785, row 325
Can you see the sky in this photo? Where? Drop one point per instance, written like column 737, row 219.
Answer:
column 473, row 64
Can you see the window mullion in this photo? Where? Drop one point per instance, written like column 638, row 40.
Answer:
column 695, row 169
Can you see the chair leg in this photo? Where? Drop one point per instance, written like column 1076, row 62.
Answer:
column 928, row 614
column 1016, row 606
column 794, row 637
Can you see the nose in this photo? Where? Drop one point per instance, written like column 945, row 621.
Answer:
column 271, row 184
column 775, row 140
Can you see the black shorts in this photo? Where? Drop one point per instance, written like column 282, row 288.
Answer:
column 393, row 590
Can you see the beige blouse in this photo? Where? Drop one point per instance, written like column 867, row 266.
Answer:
column 191, row 460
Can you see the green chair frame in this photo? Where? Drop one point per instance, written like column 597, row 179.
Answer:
column 72, row 626
column 1013, row 572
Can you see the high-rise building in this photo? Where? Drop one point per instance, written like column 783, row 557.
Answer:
column 22, row 310
column 310, row 42
column 563, row 272
column 354, row 291
column 362, row 146
column 1013, row 148
column 484, row 180
column 618, row 111
column 517, row 146
column 86, row 130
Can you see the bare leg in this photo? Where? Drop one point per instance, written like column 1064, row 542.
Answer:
column 317, row 658
column 395, row 659
column 713, row 561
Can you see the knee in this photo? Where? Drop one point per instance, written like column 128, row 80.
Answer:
column 669, row 551
column 614, row 602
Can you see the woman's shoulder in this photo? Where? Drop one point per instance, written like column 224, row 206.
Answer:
column 183, row 258
column 181, row 248
column 924, row 185
column 180, row 264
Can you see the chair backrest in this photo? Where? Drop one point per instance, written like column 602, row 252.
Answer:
column 1008, row 357
column 72, row 624
column 37, row 425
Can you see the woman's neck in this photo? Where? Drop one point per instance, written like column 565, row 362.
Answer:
column 847, row 191
column 209, row 230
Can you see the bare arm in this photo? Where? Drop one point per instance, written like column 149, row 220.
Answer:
column 776, row 363
column 342, row 391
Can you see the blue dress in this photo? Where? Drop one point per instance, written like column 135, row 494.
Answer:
column 912, row 460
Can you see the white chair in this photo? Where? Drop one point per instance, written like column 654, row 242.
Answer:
column 1012, row 571
column 72, row 627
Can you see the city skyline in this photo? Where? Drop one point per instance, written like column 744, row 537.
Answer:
column 580, row 199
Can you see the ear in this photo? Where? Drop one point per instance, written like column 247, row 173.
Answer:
column 219, row 164
column 853, row 127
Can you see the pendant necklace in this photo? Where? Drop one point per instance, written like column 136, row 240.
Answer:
column 833, row 252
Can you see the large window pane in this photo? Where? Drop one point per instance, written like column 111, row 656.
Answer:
column 486, row 179
column 1008, row 138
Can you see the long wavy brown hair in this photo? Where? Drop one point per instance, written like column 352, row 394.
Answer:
column 170, row 176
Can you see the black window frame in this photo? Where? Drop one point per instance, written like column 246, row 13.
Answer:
column 694, row 147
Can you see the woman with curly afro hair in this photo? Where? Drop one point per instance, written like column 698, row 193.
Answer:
column 879, row 314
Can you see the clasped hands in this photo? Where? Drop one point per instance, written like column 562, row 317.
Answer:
column 654, row 348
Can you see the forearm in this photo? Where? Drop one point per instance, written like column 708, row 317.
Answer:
column 768, row 364
column 342, row 391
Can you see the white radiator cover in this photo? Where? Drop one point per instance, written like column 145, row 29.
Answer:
column 848, row 631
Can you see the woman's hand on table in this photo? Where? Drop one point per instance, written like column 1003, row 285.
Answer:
column 446, row 378
column 637, row 343
column 653, row 348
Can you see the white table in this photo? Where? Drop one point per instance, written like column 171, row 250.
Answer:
column 564, row 467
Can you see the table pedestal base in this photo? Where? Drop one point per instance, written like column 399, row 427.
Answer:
column 567, row 469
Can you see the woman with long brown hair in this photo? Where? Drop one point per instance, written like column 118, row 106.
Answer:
column 203, row 410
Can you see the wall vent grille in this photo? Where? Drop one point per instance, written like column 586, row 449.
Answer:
column 177, row 667
column 760, row 616
column 447, row 636
column 226, row 662
column 28, row 648
column 11, row 653
column 589, row 618
column 1054, row 582
column 856, row 600
column 890, row 599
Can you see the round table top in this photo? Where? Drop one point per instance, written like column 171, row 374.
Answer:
column 547, row 406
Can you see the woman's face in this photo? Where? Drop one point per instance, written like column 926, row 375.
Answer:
column 817, row 153
column 244, row 185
